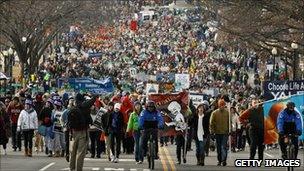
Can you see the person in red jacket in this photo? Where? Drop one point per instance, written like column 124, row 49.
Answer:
column 13, row 110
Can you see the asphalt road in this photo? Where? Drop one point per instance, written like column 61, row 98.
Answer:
column 15, row 161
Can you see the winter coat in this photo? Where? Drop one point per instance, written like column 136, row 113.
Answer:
column 27, row 120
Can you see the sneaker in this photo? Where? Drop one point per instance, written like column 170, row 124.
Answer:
column 219, row 163
column 140, row 162
column 178, row 162
column 98, row 156
column 116, row 160
column 224, row 163
column 112, row 160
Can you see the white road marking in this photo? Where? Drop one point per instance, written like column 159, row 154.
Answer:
column 95, row 168
column 133, row 169
column 146, row 169
column 269, row 155
column 119, row 169
column 47, row 166
column 106, row 160
column 66, row 168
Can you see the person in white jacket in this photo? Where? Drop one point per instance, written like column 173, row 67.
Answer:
column 235, row 127
column 28, row 123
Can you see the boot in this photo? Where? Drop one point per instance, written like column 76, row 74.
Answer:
column 202, row 161
column 25, row 152
column 62, row 153
column 198, row 159
column 30, row 152
column 50, row 154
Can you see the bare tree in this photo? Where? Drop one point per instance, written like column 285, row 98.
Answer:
column 31, row 25
column 261, row 25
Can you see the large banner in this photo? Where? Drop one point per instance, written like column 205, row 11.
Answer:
column 281, row 89
column 90, row 85
column 164, row 103
column 271, row 111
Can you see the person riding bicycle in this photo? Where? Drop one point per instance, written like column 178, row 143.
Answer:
column 289, row 122
column 150, row 121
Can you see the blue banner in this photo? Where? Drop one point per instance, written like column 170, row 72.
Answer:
column 281, row 89
column 95, row 55
column 90, row 85
column 273, row 108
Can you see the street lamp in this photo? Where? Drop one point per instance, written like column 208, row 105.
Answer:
column 23, row 39
column 274, row 53
column 294, row 46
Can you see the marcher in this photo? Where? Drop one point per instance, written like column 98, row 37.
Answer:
column 94, row 134
column 219, row 125
column 13, row 110
column 115, row 130
column 133, row 127
column 255, row 117
column 79, row 120
column 59, row 141
column 4, row 127
column 28, row 123
column 201, row 132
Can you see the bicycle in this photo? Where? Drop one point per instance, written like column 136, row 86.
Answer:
column 290, row 148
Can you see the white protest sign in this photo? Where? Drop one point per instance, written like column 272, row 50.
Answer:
column 152, row 88
column 182, row 81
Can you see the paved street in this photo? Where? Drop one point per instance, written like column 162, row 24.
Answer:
column 15, row 161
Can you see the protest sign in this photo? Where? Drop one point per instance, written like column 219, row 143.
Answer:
column 182, row 81
column 152, row 88
column 198, row 98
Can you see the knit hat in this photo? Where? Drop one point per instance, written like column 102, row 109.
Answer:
column 221, row 103
column 58, row 103
column 28, row 102
column 117, row 106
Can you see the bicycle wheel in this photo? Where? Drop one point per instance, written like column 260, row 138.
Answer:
column 152, row 155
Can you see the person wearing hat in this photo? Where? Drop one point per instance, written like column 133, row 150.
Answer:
column 27, row 123
column 45, row 117
column 255, row 118
column 79, row 120
column 201, row 132
column 105, row 122
column 219, row 125
column 115, row 130
column 13, row 110
column 59, row 142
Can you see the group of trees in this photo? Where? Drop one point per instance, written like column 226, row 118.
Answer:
column 261, row 25
column 30, row 26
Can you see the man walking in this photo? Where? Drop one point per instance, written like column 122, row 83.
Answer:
column 219, row 125
column 79, row 120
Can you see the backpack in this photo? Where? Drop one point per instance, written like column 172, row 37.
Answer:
column 77, row 119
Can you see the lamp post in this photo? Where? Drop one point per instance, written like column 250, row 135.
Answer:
column 10, row 61
column 274, row 53
column 294, row 46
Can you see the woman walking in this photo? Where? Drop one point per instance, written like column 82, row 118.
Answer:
column 133, row 126
column 27, row 123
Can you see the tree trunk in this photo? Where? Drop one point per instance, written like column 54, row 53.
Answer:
column 296, row 67
column 22, row 73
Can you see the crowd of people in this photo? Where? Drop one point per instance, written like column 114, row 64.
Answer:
column 166, row 44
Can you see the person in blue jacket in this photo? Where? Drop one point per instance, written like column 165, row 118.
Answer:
column 289, row 122
column 150, row 121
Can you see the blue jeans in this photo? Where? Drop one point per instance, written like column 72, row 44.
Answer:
column 200, row 148
column 136, row 136
column 221, row 147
